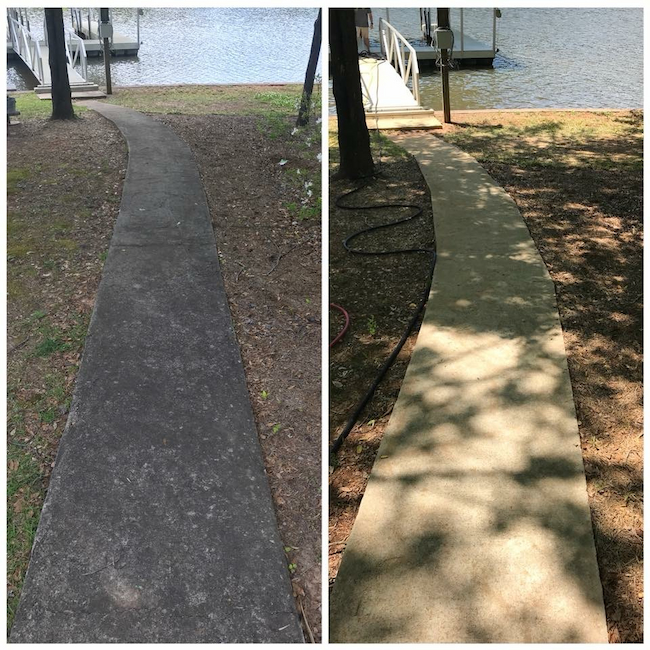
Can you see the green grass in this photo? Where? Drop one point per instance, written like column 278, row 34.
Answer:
column 14, row 178
column 25, row 493
column 285, row 101
column 49, row 345
column 30, row 106
column 206, row 100
column 562, row 140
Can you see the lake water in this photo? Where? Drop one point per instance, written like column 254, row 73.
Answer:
column 201, row 45
column 548, row 58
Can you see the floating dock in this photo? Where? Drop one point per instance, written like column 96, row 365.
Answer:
column 120, row 45
column 473, row 53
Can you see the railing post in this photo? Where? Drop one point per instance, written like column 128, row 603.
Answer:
column 396, row 47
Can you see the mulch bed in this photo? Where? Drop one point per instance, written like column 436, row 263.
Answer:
column 380, row 294
column 270, row 260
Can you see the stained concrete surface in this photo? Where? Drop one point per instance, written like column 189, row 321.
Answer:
column 475, row 525
column 158, row 524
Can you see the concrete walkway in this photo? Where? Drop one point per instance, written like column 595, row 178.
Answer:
column 475, row 525
column 158, row 524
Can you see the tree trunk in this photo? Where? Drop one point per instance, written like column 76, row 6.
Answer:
column 61, row 97
column 354, row 141
column 303, row 113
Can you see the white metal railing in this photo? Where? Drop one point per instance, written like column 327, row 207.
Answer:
column 26, row 47
column 75, row 50
column 401, row 55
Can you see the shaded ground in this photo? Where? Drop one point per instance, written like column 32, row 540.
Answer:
column 266, row 218
column 64, row 184
column 380, row 294
column 577, row 179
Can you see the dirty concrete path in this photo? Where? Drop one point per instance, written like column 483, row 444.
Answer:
column 475, row 525
column 158, row 524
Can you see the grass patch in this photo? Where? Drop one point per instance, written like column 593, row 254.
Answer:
column 284, row 101
column 31, row 107
column 15, row 176
column 49, row 345
column 209, row 100
column 562, row 140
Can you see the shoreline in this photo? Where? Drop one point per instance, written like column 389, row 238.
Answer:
column 492, row 111
column 243, row 84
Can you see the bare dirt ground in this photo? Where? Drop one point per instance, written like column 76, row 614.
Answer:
column 380, row 294
column 269, row 248
column 64, row 184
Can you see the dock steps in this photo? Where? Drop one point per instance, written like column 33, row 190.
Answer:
column 76, row 94
column 385, row 121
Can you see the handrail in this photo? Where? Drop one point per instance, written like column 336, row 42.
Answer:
column 27, row 47
column 393, row 47
column 79, row 55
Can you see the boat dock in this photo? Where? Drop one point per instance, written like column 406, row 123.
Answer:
column 81, row 41
column 467, row 50
column 87, row 28
column 473, row 53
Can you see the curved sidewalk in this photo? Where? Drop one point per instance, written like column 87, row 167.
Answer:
column 158, row 524
column 475, row 525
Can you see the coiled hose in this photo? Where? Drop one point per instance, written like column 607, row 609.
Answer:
column 417, row 211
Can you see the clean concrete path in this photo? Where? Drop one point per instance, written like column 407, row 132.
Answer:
column 158, row 524
column 475, row 525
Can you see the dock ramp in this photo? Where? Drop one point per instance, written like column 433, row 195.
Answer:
column 34, row 53
column 390, row 85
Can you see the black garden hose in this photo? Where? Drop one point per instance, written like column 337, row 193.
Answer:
column 417, row 211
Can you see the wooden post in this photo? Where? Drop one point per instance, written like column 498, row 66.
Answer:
column 443, row 22
column 107, row 52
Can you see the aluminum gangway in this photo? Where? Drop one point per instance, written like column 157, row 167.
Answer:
column 34, row 53
column 391, row 84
